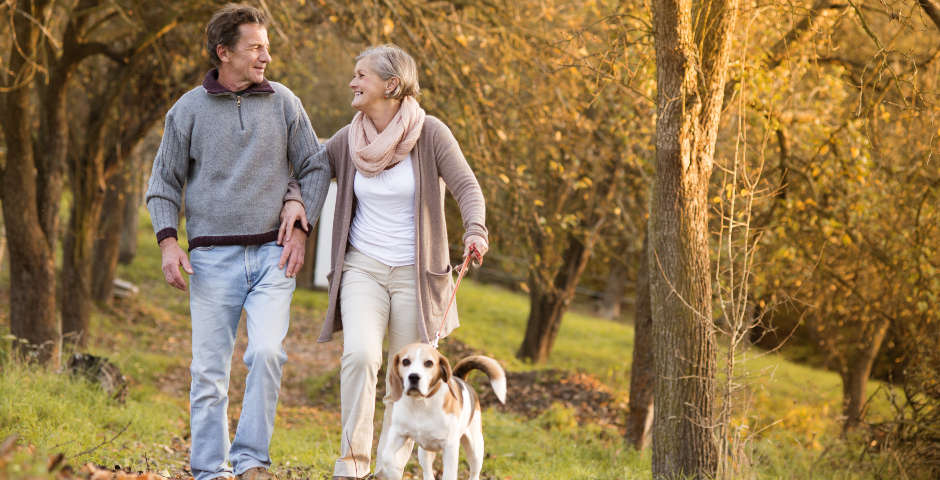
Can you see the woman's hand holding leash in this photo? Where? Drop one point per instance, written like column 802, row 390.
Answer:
column 476, row 246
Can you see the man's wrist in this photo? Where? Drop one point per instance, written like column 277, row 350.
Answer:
column 166, row 233
column 168, row 242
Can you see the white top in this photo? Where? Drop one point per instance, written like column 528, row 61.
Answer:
column 384, row 224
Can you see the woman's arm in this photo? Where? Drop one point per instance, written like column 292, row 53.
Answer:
column 463, row 185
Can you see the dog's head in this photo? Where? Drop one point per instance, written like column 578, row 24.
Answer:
column 417, row 370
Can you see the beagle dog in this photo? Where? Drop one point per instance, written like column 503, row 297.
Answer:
column 435, row 407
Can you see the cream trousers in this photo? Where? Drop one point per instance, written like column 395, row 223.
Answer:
column 373, row 297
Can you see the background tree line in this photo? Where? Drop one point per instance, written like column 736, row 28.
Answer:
column 586, row 122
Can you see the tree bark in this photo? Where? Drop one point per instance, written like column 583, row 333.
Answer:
column 856, row 373
column 29, row 197
column 692, row 49
column 612, row 299
column 548, row 303
column 108, row 244
column 32, row 267
column 642, row 371
column 131, row 213
column 78, row 253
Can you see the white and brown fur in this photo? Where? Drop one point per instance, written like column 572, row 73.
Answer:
column 435, row 407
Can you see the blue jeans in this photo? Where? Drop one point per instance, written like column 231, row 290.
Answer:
column 225, row 280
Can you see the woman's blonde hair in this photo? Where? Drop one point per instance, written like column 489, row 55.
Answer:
column 390, row 61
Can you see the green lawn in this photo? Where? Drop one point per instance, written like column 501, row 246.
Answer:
column 791, row 420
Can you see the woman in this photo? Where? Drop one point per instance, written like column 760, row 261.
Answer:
column 391, row 264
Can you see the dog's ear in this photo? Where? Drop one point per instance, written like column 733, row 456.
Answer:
column 394, row 379
column 446, row 371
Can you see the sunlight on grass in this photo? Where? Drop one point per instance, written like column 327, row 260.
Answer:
column 59, row 413
column 792, row 410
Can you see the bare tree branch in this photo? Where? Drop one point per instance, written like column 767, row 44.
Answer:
column 932, row 11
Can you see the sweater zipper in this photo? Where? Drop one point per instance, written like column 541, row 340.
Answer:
column 238, row 105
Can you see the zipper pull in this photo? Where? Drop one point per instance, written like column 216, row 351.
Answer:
column 238, row 101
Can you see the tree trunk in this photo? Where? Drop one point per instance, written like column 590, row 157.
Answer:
column 3, row 241
column 855, row 376
column 691, row 61
column 642, row 371
column 132, row 203
column 78, row 250
column 548, row 303
column 108, row 239
column 29, row 197
column 612, row 299
column 32, row 266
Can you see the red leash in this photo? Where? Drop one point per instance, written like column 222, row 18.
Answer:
column 453, row 297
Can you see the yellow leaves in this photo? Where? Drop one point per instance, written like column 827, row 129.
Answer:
column 334, row 19
column 557, row 136
column 583, row 182
column 824, row 149
column 504, row 178
column 388, row 26
column 521, row 169
column 501, row 134
column 539, row 203
column 461, row 39
column 465, row 69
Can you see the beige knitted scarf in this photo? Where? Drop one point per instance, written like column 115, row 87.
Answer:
column 371, row 151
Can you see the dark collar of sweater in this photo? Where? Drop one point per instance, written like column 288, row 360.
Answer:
column 213, row 87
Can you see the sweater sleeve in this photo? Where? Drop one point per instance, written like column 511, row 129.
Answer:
column 460, row 181
column 165, row 190
column 293, row 191
column 309, row 161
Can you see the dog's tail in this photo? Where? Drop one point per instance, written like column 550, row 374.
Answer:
column 488, row 366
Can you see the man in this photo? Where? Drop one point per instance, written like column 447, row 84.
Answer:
column 230, row 145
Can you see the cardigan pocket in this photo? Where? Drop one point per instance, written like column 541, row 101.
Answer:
column 440, row 289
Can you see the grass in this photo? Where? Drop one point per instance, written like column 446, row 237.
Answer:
column 55, row 413
column 794, row 407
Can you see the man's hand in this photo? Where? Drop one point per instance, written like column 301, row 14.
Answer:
column 295, row 246
column 173, row 258
column 291, row 212
column 478, row 246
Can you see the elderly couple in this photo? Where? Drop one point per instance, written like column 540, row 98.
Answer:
column 229, row 146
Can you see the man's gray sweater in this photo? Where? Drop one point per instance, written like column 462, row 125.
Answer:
column 231, row 154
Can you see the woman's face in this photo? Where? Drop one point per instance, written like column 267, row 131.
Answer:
column 368, row 88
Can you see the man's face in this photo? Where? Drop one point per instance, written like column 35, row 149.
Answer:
column 244, row 64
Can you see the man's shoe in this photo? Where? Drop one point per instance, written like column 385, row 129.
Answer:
column 256, row 473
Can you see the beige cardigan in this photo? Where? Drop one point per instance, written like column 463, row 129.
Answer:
column 435, row 157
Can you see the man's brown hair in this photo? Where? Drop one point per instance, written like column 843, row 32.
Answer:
column 223, row 27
